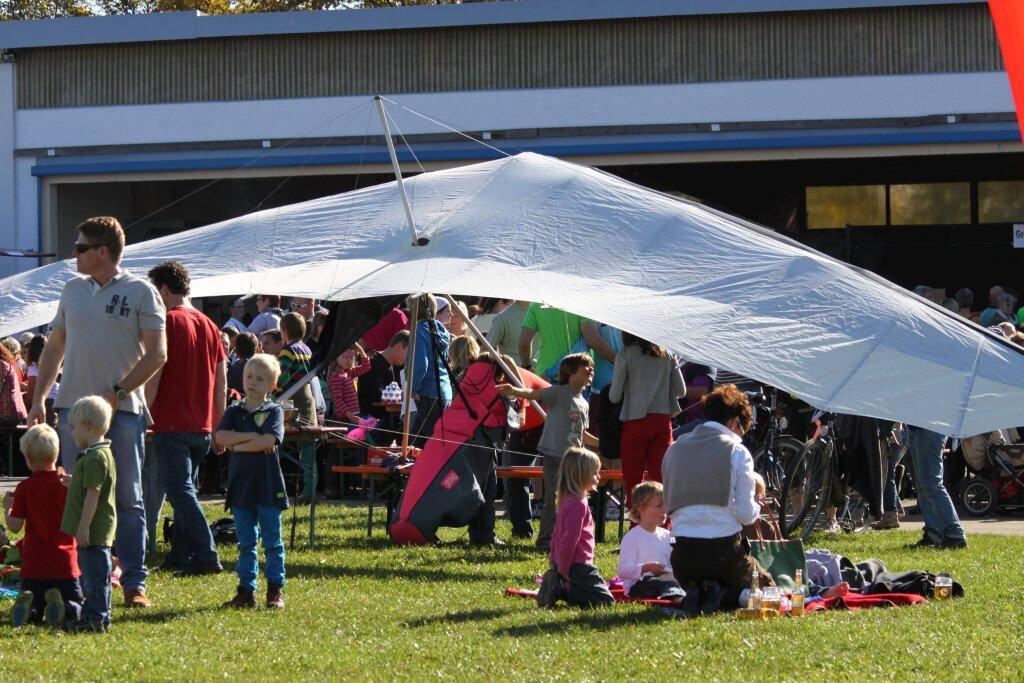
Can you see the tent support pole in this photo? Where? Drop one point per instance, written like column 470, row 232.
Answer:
column 512, row 378
column 410, row 362
column 416, row 241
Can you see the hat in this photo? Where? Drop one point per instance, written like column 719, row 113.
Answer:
column 441, row 303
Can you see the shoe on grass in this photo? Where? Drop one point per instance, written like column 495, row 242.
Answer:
column 200, row 569
column 22, row 609
column 925, row 541
column 711, row 592
column 954, row 543
column 86, row 627
column 136, row 598
column 54, row 612
column 889, row 520
column 691, row 603
column 275, row 598
column 244, row 599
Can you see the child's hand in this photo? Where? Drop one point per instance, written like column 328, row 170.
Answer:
column 759, row 488
column 506, row 389
column 656, row 568
column 63, row 477
column 83, row 538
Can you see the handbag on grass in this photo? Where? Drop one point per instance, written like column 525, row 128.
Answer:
column 780, row 558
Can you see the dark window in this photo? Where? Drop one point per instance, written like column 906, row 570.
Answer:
column 837, row 207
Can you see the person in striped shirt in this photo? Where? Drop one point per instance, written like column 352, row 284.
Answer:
column 351, row 364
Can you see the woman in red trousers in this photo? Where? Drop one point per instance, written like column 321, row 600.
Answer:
column 648, row 384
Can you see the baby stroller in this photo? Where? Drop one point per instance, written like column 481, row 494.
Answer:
column 997, row 483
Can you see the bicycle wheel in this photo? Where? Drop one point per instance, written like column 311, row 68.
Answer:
column 773, row 468
column 805, row 489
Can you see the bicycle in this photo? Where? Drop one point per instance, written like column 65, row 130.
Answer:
column 808, row 481
column 770, row 447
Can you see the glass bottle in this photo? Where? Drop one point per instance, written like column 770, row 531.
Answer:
column 799, row 593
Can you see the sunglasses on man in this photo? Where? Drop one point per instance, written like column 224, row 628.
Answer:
column 82, row 247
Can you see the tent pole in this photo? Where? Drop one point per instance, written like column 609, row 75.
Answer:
column 483, row 340
column 410, row 361
column 416, row 241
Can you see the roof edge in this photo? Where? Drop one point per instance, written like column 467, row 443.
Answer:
column 194, row 25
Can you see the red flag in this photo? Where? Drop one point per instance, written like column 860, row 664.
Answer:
column 1008, row 16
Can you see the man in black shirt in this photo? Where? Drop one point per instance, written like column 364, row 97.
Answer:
column 384, row 369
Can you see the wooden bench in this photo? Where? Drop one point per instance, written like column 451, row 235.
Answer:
column 394, row 482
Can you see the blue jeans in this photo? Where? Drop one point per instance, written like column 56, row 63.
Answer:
column 940, row 519
column 127, row 436
column 178, row 457
column 94, row 563
column 153, row 495
column 250, row 524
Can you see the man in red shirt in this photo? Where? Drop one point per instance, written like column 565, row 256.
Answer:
column 186, row 398
column 381, row 334
column 49, row 563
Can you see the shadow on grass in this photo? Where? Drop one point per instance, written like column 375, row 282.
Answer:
column 157, row 616
column 458, row 617
column 594, row 620
column 319, row 571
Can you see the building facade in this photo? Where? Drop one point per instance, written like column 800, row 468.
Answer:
column 881, row 132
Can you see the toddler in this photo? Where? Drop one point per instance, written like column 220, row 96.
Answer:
column 645, row 565
column 253, row 429
column 89, row 513
column 573, row 576
column 50, row 590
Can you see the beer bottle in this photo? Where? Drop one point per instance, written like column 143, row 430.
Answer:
column 799, row 593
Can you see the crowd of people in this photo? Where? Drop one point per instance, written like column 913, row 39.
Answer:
column 127, row 354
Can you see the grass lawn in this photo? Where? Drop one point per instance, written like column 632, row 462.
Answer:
column 363, row 609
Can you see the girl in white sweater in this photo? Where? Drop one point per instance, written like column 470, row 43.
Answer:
column 645, row 565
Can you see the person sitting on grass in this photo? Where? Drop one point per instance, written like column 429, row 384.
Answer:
column 645, row 557
column 564, row 427
column 253, row 429
column 89, row 513
column 572, row 576
column 50, row 590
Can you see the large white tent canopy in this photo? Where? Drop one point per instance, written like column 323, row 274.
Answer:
column 718, row 289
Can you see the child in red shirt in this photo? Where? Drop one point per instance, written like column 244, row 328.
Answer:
column 573, row 576
column 50, row 590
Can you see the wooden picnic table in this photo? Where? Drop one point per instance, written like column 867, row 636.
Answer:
column 305, row 434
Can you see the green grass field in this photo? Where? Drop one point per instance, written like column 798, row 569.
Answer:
column 363, row 609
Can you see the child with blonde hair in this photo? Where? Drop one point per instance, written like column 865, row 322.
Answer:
column 573, row 576
column 645, row 557
column 50, row 590
column 89, row 513
column 253, row 429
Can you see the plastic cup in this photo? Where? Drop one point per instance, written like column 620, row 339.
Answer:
column 943, row 587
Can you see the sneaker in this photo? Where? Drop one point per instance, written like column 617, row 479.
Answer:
column 711, row 591
column 925, row 542
column 551, row 589
column 136, row 598
column 243, row 600
column 833, row 528
column 86, row 627
column 954, row 543
column 54, row 613
column 691, row 603
column 22, row 609
column 200, row 569
column 275, row 599
column 888, row 521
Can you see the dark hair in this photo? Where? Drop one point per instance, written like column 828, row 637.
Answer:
column 649, row 348
column 34, row 349
column 275, row 334
column 105, row 231
column 230, row 330
column 294, row 326
column 724, row 403
column 245, row 345
column 965, row 298
column 172, row 274
column 272, row 299
column 571, row 364
column 401, row 337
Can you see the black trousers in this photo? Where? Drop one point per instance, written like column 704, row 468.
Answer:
column 726, row 560
column 70, row 591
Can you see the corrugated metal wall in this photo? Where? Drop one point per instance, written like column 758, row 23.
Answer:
column 922, row 39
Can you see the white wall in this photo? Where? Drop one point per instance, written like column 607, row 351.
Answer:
column 781, row 100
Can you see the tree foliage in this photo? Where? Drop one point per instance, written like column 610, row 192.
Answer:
column 13, row 10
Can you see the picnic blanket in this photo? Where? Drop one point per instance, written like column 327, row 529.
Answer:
column 617, row 593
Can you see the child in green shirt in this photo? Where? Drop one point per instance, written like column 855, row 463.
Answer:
column 89, row 513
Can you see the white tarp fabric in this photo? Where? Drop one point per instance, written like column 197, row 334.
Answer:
column 713, row 287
